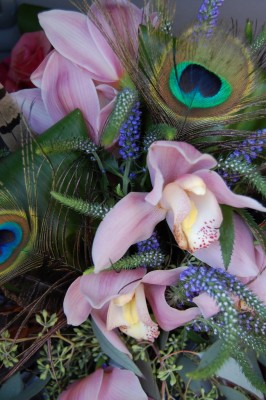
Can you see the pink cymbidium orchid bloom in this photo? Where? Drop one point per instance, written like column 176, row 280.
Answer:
column 82, row 71
column 106, row 384
column 118, row 300
column 185, row 192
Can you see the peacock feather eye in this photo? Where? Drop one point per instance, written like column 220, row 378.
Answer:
column 10, row 237
column 197, row 87
column 14, row 236
column 198, row 80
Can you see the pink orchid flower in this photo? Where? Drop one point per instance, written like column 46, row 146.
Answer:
column 119, row 300
column 83, row 71
column 108, row 384
column 185, row 192
column 248, row 264
column 245, row 262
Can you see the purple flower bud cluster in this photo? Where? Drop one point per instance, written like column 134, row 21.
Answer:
column 249, row 149
column 236, row 163
column 130, row 134
column 204, row 279
column 151, row 244
column 251, row 323
column 208, row 13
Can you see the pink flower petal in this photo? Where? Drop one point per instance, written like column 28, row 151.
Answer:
column 101, row 288
column 80, row 389
column 76, row 306
column 168, row 318
column 207, row 305
column 31, row 104
column 182, row 158
column 205, row 229
column 224, row 195
column 258, row 285
column 122, row 25
column 243, row 262
column 69, row 34
column 120, row 384
column 99, row 317
column 36, row 76
column 163, row 277
column 66, row 87
column 130, row 221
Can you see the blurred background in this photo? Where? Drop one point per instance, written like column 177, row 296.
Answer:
column 186, row 11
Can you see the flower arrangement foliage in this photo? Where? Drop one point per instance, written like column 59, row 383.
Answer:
column 132, row 225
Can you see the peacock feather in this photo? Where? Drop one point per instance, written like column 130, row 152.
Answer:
column 35, row 231
column 197, row 81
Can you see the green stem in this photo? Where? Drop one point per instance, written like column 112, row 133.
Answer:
column 125, row 177
column 101, row 167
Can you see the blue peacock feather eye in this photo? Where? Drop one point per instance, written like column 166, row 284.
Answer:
column 11, row 235
column 197, row 87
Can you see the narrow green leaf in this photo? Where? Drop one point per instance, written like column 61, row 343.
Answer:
column 12, row 388
column 255, row 229
column 231, row 394
column 227, row 235
column 148, row 382
column 122, row 359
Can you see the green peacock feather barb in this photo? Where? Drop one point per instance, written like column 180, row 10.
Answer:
column 34, row 228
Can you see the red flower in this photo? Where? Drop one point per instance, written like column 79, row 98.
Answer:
column 26, row 56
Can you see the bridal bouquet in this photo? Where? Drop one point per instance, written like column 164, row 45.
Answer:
column 132, row 231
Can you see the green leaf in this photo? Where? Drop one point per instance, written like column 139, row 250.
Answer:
column 148, row 382
column 255, row 229
column 12, row 388
column 188, row 367
column 30, row 391
column 212, row 359
column 227, row 235
column 27, row 17
column 231, row 394
column 116, row 355
column 232, row 372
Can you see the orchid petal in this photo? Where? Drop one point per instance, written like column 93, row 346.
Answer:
column 66, row 87
column 182, row 158
column 101, row 288
column 99, row 317
column 163, row 277
column 243, row 261
column 133, row 318
column 31, row 104
column 69, row 34
column 224, row 195
column 168, row 318
column 130, row 221
column 36, row 76
column 257, row 285
column 205, row 229
column 178, row 205
column 122, row 25
column 206, row 304
column 79, row 390
column 120, row 384
column 76, row 307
